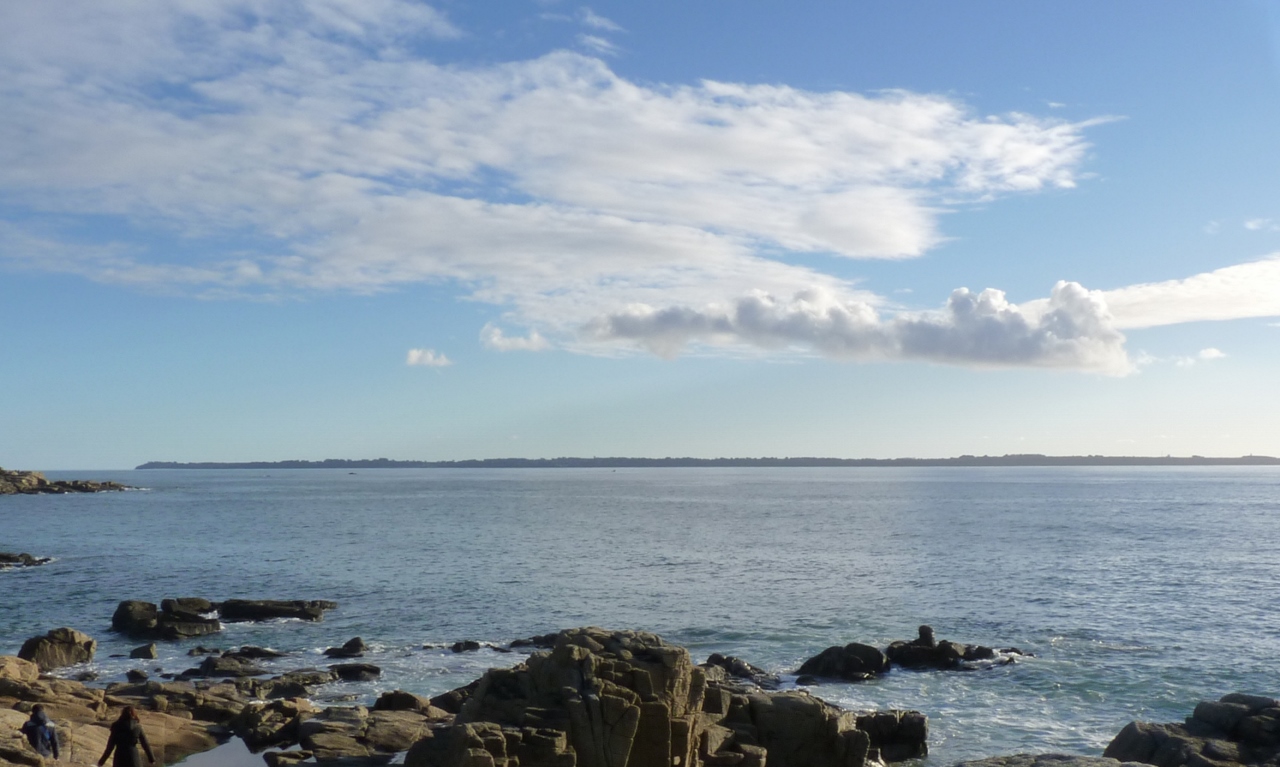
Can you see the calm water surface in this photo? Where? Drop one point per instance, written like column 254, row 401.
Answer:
column 1141, row 591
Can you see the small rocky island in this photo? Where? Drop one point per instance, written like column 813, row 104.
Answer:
column 35, row 483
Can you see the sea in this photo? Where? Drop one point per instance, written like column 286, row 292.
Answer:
column 1137, row 592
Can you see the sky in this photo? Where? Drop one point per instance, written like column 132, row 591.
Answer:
column 268, row 229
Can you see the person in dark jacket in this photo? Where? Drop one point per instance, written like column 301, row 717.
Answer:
column 40, row 732
column 126, row 734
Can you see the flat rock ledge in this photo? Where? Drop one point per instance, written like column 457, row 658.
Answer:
column 35, row 483
column 1239, row 729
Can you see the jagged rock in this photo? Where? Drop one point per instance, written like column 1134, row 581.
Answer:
column 34, row 482
column 853, row 662
column 242, row 610
column 262, row 725
column 353, row 648
column 357, row 672
column 60, row 647
column 1239, row 729
column 145, row 652
column 8, row 560
column 628, row 699
column 293, row 684
column 466, row 645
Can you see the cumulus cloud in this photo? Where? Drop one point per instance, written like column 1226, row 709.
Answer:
column 493, row 338
column 1071, row 329
column 427, row 358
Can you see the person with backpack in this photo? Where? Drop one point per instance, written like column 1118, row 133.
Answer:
column 40, row 732
column 126, row 735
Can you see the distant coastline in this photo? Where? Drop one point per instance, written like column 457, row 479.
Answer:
column 1024, row 459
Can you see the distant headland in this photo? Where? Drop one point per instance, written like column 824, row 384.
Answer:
column 1021, row 459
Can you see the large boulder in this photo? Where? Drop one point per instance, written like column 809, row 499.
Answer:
column 353, row 648
column 59, row 648
column 242, row 610
column 628, row 699
column 1238, row 729
column 854, row 662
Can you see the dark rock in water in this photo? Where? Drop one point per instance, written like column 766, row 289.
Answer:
column 145, row 652
column 854, row 662
column 143, row 620
column 86, row 676
column 740, row 669
column 136, row 675
column 1044, row 760
column 59, row 648
column 466, row 645
column 197, row 605
column 353, row 648
column 250, row 652
column 225, row 666
column 1239, row 729
column 8, row 560
column 202, row 650
column 243, row 610
column 628, row 699
column 35, row 483
column 357, row 672
column 926, row 652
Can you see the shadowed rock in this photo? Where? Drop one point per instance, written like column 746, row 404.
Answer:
column 243, row 610
column 1239, row 729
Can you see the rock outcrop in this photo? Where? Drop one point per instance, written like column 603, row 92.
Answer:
column 35, row 483
column 9, row 560
column 241, row 610
column 352, row 648
column 628, row 699
column 174, row 619
column 59, row 648
column 1239, row 729
column 857, row 662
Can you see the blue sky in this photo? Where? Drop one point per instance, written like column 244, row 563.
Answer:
column 266, row 229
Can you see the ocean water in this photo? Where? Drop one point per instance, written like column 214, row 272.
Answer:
column 1139, row 590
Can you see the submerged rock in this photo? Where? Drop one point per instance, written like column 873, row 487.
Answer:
column 353, row 648
column 1238, row 729
column 9, row 560
column 628, row 699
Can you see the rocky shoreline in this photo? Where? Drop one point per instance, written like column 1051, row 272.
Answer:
column 35, row 483
column 584, row 697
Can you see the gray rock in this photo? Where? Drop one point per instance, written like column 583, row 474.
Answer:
column 1239, row 729
column 145, row 652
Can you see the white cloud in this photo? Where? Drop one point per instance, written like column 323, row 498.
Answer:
column 594, row 20
column 1258, row 224
column 493, row 338
column 427, row 358
column 291, row 148
column 1071, row 329
column 1211, row 354
column 1234, row 292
